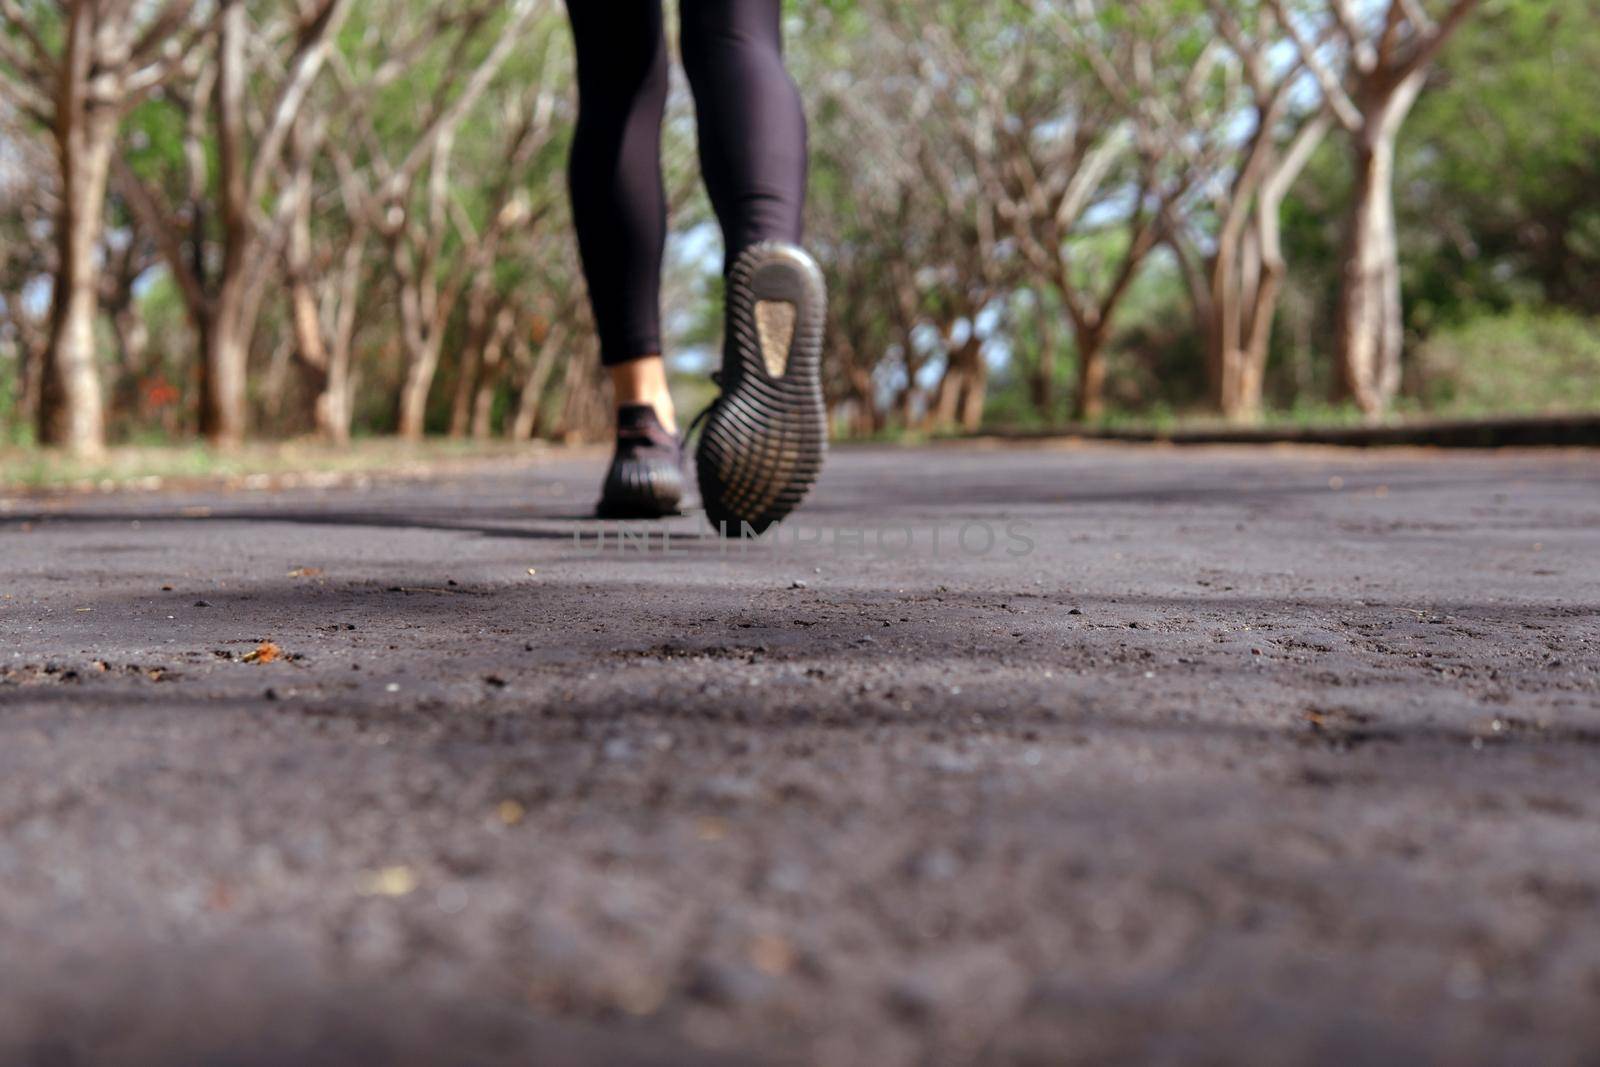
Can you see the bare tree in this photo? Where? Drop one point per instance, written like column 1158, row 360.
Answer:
column 127, row 254
column 325, row 283
column 1117, row 160
column 868, row 242
column 913, row 249
column 28, row 205
column 494, row 308
column 112, row 53
column 555, row 318
column 1235, row 271
column 1371, row 62
column 409, row 195
column 223, row 289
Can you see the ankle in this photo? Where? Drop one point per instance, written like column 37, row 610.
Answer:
column 661, row 404
column 644, row 381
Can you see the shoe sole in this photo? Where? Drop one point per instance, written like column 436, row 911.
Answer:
column 764, row 442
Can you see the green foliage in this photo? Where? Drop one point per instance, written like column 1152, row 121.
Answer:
column 1526, row 360
column 14, row 428
column 1498, row 172
column 1501, row 165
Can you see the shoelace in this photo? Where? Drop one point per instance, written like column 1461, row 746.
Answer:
column 695, row 423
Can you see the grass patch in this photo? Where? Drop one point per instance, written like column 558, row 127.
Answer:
column 154, row 465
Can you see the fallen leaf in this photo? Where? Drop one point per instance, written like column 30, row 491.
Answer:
column 306, row 572
column 221, row 898
column 772, row 955
column 391, row 882
column 265, row 652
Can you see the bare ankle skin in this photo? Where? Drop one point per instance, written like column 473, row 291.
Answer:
column 644, row 381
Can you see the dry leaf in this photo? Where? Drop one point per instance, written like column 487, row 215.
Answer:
column 265, row 652
column 772, row 955
column 391, row 882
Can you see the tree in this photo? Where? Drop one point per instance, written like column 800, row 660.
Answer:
column 77, row 66
column 1499, row 166
column 1370, row 64
column 223, row 271
column 406, row 164
column 325, row 290
column 28, row 204
column 1235, row 272
column 1095, row 199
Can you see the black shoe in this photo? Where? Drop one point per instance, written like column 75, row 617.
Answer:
column 765, row 436
column 646, row 476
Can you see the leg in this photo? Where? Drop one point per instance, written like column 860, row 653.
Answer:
column 620, row 210
column 764, row 438
column 618, row 202
column 751, row 123
column 644, row 382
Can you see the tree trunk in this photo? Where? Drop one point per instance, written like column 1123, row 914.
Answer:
column 331, row 408
column 133, row 344
column 585, row 416
column 962, row 381
column 1243, row 342
column 71, row 404
column 421, row 363
column 1236, row 273
column 974, row 392
column 1370, row 324
column 1240, row 392
column 461, row 404
column 32, row 352
column 946, row 399
column 1090, row 403
column 1044, row 374
column 488, row 386
column 474, row 359
column 226, row 334
column 225, row 352
column 531, row 396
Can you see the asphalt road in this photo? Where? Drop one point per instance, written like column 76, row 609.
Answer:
column 1210, row 755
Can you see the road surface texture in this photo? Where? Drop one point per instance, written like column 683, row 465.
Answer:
column 1178, row 755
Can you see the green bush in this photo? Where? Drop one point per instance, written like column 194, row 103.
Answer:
column 1528, row 360
column 14, row 429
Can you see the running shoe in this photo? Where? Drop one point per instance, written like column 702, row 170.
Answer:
column 646, row 476
column 765, row 436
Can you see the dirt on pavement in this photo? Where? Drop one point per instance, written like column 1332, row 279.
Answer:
column 1006, row 753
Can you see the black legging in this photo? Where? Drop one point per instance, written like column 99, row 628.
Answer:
column 752, row 147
